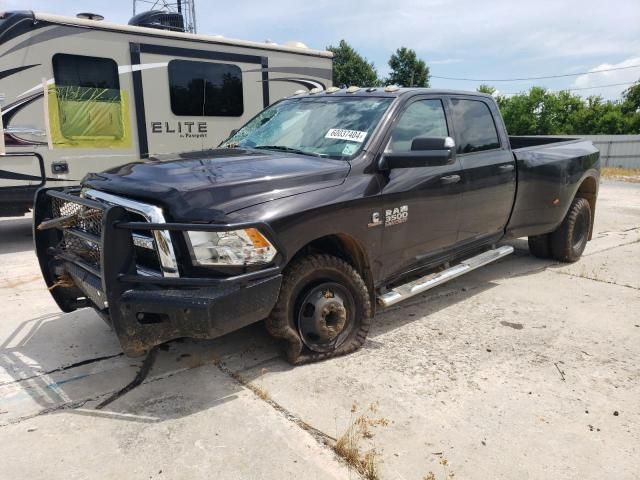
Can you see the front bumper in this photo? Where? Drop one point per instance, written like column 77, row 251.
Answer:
column 144, row 311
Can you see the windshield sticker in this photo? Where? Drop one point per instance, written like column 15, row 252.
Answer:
column 350, row 135
column 350, row 149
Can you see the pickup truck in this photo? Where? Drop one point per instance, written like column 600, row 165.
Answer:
column 322, row 208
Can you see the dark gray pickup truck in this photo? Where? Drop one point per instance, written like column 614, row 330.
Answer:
column 321, row 209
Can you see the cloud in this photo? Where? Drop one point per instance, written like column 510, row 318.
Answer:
column 627, row 76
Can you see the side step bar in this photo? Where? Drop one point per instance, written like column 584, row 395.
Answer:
column 434, row 279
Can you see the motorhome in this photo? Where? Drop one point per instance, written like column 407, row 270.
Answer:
column 81, row 95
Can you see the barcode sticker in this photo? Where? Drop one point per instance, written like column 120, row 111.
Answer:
column 342, row 134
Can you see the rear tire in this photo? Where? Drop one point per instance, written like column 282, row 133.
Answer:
column 323, row 310
column 540, row 246
column 570, row 239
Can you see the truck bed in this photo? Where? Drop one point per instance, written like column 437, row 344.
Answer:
column 550, row 171
column 519, row 142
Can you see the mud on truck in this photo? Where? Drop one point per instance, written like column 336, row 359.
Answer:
column 321, row 209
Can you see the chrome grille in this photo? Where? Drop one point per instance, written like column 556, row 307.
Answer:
column 167, row 262
column 83, row 219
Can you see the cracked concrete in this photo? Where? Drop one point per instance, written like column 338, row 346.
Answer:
column 514, row 371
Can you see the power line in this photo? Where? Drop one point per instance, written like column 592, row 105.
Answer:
column 533, row 78
column 581, row 88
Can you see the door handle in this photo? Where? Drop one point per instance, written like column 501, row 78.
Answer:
column 450, row 179
column 506, row 168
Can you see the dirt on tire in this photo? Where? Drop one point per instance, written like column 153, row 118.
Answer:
column 282, row 323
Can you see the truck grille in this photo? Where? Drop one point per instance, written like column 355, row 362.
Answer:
column 80, row 219
column 86, row 220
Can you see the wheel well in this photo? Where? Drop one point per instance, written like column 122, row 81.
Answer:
column 348, row 249
column 588, row 190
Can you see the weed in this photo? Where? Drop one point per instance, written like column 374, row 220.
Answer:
column 348, row 444
column 619, row 173
column 261, row 392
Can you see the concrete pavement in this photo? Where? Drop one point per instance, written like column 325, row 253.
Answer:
column 523, row 369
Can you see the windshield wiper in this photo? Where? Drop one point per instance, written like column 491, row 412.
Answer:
column 284, row 148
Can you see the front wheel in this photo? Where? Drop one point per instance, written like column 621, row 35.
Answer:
column 570, row 239
column 323, row 310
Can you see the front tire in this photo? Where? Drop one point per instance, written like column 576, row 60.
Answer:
column 569, row 240
column 323, row 310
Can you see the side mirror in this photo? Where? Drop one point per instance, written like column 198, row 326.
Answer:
column 425, row 152
column 232, row 132
column 432, row 143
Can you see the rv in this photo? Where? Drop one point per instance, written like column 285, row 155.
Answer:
column 80, row 95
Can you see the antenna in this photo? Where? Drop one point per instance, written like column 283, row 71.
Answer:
column 185, row 7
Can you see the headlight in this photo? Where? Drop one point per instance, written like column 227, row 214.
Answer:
column 235, row 248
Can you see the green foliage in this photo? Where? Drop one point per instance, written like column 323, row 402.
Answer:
column 536, row 112
column 484, row 88
column 350, row 68
column 540, row 112
column 407, row 69
column 631, row 99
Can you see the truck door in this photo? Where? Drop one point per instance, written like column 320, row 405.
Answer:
column 488, row 169
column 420, row 204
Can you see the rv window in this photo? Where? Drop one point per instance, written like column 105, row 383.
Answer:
column 205, row 89
column 87, row 101
column 87, row 72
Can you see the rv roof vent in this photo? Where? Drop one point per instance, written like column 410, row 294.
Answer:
column 90, row 16
column 157, row 19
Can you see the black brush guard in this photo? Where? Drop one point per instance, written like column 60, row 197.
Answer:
column 145, row 310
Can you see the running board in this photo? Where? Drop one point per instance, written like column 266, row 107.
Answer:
column 433, row 280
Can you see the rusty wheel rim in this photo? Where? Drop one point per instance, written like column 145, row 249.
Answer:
column 325, row 316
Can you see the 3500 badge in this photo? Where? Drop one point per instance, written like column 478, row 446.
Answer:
column 396, row 215
column 392, row 216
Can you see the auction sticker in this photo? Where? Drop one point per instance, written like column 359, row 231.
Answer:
column 342, row 134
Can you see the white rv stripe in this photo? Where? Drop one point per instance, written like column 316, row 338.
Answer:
column 143, row 66
column 33, row 89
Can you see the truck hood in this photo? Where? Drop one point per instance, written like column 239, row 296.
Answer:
column 205, row 186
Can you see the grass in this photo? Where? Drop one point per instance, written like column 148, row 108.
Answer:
column 348, row 445
column 619, row 173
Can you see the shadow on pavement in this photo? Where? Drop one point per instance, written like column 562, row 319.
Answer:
column 15, row 235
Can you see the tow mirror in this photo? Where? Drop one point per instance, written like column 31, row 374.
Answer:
column 425, row 152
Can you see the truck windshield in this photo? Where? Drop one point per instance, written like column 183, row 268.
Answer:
column 334, row 127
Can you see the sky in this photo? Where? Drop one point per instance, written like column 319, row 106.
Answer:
column 495, row 39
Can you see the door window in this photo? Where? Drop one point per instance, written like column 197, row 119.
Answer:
column 474, row 125
column 205, row 89
column 424, row 118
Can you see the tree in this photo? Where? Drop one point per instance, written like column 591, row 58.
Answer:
column 540, row 112
column 407, row 69
column 484, row 88
column 350, row 68
column 631, row 99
